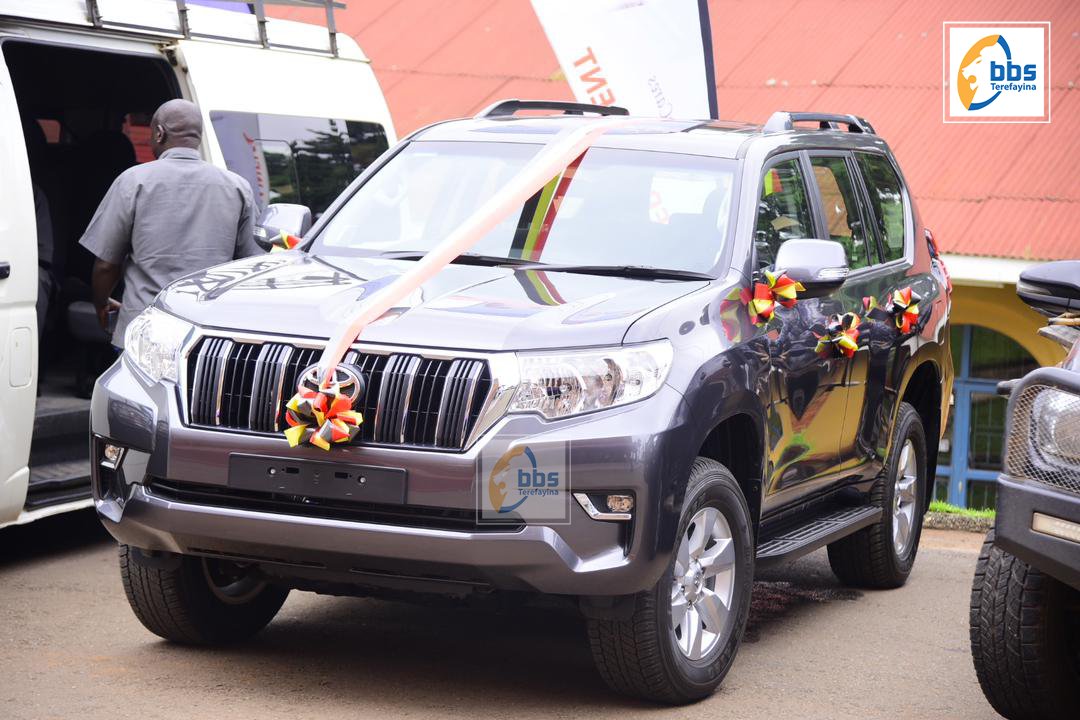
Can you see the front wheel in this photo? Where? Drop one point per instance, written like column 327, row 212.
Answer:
column 683, row 634
column 198, row 601
column 1025, row 637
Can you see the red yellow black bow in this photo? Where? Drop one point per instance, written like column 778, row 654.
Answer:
column 841, row 336
column 904, row 306
column 778, row 289
column 322, row 413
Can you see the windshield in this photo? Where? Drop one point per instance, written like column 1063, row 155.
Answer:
column 611, row 207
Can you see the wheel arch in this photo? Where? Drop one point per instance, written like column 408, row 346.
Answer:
column 737, row 443
column 923, row 391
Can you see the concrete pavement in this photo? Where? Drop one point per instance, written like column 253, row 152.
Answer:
column 71, row 648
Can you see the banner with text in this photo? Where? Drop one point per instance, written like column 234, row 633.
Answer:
column 652, row 57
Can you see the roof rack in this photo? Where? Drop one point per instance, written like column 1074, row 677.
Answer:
column 507, row 108
column 782, row 121
column 93, row 14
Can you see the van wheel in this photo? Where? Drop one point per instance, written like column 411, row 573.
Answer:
column 881, row 555
column 683, row 634
column 198, row 601
column 1025, row 637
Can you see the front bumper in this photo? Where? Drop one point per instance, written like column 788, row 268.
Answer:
column 644, row 449
column 1018, row 503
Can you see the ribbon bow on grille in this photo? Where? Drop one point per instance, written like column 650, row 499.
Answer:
column 322, row 413
column 841, row 336
column 778, row 289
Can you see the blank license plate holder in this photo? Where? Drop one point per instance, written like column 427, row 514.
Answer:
column 318, row 479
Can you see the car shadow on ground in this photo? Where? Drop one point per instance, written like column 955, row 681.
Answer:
column 51, row 538
column 427, row 657
column 520, row 656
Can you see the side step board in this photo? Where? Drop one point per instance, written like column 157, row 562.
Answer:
column 58, row 482
column 817, row 532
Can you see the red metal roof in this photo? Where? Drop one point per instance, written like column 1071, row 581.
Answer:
column 994, row 190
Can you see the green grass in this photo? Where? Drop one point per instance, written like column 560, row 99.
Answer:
column 944, row 507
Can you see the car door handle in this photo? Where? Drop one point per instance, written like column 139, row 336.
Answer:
column 5, row 270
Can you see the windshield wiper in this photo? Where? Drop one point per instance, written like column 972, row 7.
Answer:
column 645, row 272
column 463, row 259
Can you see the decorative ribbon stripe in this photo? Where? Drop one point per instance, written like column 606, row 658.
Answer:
column 284, row 241
column 778, row 289
column 551, row 161
column 904, row 306
column 321, row 413
column 841, row 336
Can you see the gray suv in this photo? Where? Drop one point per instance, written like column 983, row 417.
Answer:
column 702, row 348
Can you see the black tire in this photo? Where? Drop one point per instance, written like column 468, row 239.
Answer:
column 868, row 558
column 638, row 656
column 1025, row 637
column 173, row 598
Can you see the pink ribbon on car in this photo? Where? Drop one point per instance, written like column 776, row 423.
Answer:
column 552, row 160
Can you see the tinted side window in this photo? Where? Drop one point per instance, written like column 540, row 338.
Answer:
column 783, row 210
column 842, row 215
column 887, row 201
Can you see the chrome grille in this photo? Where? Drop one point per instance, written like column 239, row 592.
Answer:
column 1044, row 437
column 409, row 400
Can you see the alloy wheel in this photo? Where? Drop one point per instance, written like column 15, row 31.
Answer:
column 232, row 583
column 703, row 584
column 904, row 499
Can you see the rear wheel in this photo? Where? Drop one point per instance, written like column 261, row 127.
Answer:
column 1025, row 637
column 683, row 634
column 198, row 601
column 881, row 555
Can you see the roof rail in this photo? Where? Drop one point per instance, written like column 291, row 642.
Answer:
column 782, row 121
column 507, row 108
column 258, row 7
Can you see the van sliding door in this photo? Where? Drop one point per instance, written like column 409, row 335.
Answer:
column 18, row 295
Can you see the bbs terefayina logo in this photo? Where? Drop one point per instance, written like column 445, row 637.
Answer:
column 996, row 74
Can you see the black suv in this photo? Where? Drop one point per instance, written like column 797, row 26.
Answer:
column 1025, row 599
column 700, row 348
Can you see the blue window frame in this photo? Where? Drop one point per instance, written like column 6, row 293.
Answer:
column 970, row 457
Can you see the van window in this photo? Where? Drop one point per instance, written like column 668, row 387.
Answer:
column 289, row 159
column 886, row 200
column 783, row 210
column 842, row 212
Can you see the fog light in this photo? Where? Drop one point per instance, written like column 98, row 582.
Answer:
column 620, row 503
column 1049, row 525
column 112, row 454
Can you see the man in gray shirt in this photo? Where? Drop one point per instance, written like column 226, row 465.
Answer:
column 165, row 219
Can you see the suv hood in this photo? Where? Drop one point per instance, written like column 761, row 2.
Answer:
column 464, row 307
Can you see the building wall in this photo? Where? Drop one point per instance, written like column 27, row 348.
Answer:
column 998, row 308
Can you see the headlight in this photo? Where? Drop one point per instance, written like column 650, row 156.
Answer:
column 1056, row 418
column 152, row 343
column 568, row 383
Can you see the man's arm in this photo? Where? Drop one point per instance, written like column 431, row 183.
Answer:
column 103, row 281
column 108, row 237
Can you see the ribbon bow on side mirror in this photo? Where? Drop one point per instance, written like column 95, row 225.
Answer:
column 280, row 218
column 820, row 265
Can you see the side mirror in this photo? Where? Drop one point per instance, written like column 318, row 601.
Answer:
column 820, row 265
column 1051, row 288
column 281, row 217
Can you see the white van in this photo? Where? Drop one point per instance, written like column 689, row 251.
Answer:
column 293, row 107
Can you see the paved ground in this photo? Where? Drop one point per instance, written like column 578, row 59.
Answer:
column 70, row 648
